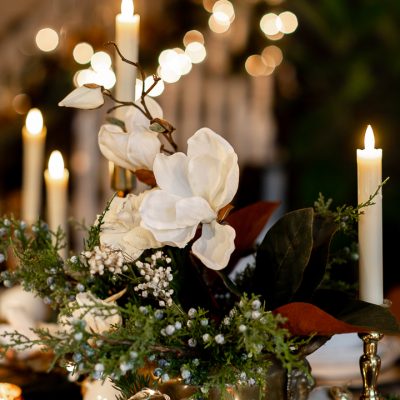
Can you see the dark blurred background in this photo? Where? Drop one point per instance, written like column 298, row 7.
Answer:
column 296, row 124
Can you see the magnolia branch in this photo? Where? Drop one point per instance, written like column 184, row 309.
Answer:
column 167, row 128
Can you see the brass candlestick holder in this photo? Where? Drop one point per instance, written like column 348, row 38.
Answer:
column 122, row 181
column 370, row 364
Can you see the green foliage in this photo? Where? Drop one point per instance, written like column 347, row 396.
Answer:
column 116, row 321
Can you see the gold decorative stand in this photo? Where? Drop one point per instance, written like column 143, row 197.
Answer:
column 370, row 364
column 122, row 181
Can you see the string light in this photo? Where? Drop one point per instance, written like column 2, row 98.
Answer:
column 272, row 55
column 218, row 26
column 223, row 9
column 196, row 51
column 83, row 53
column 47, row 39
column 270, row 24
column 289, row 22
column 193, row 36
column 100, row 61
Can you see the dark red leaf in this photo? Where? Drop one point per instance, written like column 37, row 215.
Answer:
column 146, row 177
column 249, row 221
column 304, row 319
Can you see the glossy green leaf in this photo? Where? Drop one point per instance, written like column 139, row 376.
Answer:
column 283, row 257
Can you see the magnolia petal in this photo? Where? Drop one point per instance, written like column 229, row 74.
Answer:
column 134, row 118
column 113, row 142
column 171, row 173
column 206, row 141
column 143, row 146
column 204, row 176
column 84, row 97
column 215, row 245
column 158, row 211
column 228, row 183
column 207, row 145
column 193, row 210
column 178, row 237
column 141, row 239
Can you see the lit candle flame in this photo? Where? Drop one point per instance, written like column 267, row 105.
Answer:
column 369, row 139
column 34, row 121
column 56, row 165
column 127, row 8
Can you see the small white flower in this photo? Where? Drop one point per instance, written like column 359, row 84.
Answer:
column 99, row 367
column 185, row 374
column 178, row 325
column 192, row 313
column 206, row 338
column 204, row 322
column 242, row 328
column 192, row 342
column 220, row 339
column 255, row 314
column 256, row 304
column 226, row 321
column 84, row 97
column 125, row 367
column 169, row 330
column 165, row 378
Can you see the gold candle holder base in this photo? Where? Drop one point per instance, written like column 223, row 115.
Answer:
column 122, row 181
column 370, row 364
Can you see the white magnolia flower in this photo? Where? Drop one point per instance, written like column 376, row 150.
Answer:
column 121, row 229
column 192, row 189
column 99, row 315
column 136, row 148
column 85, row 97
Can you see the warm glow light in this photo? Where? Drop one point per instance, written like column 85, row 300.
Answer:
column 193, row 36
column 369, row 139
column 47, row 39
column 255, row 66
column 169, row 73
column 289, row 22
column 83, row 53
column 167, row 56
column 85, row 76
column 9, row 391
column 208, row 5
column 270, row 24
column 277, row 36
column 106, row 78
column 224, row 7
column 21, row 103
column 34, row 121
column 218, row 26
column 56, row 165
column 272, row 55
column 196, row 51
column 127, row 8
column 100, row 61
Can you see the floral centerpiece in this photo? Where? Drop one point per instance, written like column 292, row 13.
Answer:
column 152, row 297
